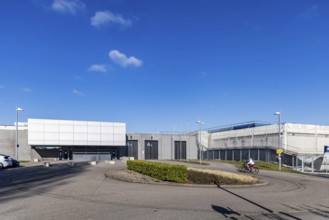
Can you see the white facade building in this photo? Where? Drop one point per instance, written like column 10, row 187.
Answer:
column 295, row 138
column 45, row 132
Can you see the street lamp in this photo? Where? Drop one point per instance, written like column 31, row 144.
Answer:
column 200, row 124
column 18, row 109
column 279, row 136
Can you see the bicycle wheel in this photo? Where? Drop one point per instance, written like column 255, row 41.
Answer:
column 242, row 169
column 255, row 170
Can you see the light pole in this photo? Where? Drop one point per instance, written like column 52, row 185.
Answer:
column 17, row 145
column 279, row 136
column 200, row 124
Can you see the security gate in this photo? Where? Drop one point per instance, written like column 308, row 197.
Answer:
column 132, row 148
column 180, row 150
column 151, row 150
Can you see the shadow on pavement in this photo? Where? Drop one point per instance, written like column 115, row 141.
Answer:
column 226, row 212
column 29, row 181
column 270, row 213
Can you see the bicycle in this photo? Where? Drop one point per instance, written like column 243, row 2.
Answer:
column 244, row 168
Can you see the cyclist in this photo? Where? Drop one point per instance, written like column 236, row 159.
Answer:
column 250, row 164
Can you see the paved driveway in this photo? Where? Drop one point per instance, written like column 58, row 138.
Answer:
column 83, row 192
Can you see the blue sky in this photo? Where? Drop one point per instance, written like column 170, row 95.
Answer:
column 162, row 65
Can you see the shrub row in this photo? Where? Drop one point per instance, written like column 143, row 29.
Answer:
column 161, row 171
column 197, row 177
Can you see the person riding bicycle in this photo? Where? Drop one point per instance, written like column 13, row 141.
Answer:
column 250, row 164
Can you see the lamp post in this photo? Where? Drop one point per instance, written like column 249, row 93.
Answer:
column 279, row 135
column 200, row 124
column 18, row 109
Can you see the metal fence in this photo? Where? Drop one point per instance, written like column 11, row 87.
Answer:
column 303, row 163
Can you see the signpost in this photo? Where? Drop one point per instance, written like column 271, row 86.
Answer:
column 279, row 152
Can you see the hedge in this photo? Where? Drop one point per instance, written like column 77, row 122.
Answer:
column 161, row 171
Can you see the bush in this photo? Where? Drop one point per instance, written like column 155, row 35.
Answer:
column 161, row 171
column 202, row 176
column 197, row 177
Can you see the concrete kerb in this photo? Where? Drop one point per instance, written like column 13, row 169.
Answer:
column 263, row 183
column 50, row 163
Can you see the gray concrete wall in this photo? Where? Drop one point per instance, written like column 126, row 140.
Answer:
column 166, row 145
column 8, row 142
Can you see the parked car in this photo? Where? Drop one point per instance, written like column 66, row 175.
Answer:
column 5, row 161
column 14, row 162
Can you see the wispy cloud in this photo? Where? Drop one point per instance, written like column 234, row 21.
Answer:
column 309, row 13
column 77, row 92
column 1, row 87
column 68, row 6
column 102, row 18
column 98, row 68
column 27, row 90
column 123, row 60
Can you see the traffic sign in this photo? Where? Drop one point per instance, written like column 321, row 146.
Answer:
column 279, row 151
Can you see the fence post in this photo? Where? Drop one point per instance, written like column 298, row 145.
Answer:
column 296, row 162
column 302, row 163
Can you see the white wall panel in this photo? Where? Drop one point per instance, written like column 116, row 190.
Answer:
column 93, row 123
column 36, row 136
column 107, row 137
column 66, row 122
column 107, row 130
column 75, row 133
column 94, row 137
column 51, row 128
column 49, row 142
column 80, row 137
column 51, row 136
column 94, row 129
column 108, row 143
column 119, row 130
column 66, row 136
column 80, row 123
column 36, row 127
column 80, row 129
column 66, row 142
column 80, row 143
column 50, row 122
column 66, row 128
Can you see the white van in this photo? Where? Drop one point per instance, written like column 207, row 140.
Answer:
column 5, row 161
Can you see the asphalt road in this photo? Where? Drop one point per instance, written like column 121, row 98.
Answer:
column 83, row 192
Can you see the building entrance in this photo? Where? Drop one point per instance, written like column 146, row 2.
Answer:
column 77, row 153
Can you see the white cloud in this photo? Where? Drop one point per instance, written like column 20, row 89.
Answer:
column 98, row 68
column 1, row 87
column 123, row 60
column 77, row 92
column 107, row 17
column 27, row 90
column 67, row 6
